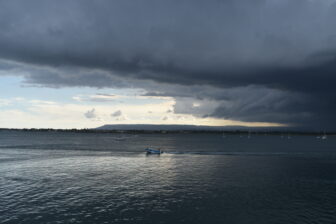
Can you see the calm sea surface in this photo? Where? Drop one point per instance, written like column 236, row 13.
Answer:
column 51, row 177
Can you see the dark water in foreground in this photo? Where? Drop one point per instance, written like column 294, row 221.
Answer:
column 107, row 178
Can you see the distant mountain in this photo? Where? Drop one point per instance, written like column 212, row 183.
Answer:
column 153, row 127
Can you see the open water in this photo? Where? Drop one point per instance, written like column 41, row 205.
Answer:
column 53, row 177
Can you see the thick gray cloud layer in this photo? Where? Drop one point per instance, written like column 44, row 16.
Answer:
column 264, row 60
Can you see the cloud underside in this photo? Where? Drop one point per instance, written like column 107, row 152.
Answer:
column 266, row 61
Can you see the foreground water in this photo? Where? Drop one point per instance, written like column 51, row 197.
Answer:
column 203, row 178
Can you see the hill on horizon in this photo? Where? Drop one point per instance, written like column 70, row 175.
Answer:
column 177, row 127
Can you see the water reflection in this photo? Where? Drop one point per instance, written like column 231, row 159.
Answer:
column 126, row 186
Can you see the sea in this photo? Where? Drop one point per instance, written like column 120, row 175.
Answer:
column 64, row 177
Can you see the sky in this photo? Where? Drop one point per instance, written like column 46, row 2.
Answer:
column 83, row 64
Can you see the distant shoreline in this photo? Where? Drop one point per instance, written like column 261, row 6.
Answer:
column 225, row 132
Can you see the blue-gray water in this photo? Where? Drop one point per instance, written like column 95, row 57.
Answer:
column 50, row 177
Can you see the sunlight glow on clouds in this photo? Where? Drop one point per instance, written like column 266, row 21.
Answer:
column 36, row 107
column 46, row 114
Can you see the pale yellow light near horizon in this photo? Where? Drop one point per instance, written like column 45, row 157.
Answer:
column 48, row 114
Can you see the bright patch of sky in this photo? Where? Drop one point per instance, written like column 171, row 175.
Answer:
column 27, row 106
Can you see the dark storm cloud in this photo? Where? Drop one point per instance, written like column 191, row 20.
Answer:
column 223, row 47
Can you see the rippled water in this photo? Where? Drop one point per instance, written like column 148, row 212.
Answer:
column 107, row 178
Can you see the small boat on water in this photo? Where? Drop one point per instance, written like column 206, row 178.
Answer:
column 153, row 151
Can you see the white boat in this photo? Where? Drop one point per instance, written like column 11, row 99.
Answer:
column 153, row 151
column 324, row 136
